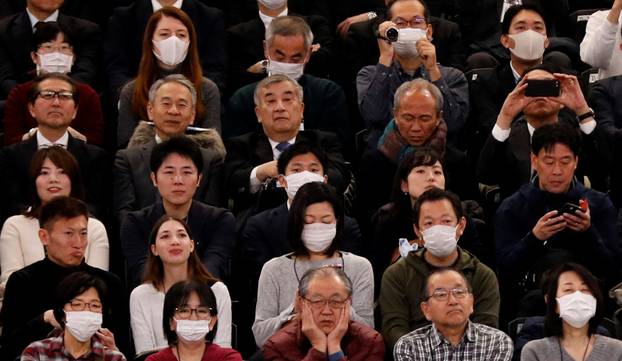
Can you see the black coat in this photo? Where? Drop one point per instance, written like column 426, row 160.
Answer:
column 16, row 65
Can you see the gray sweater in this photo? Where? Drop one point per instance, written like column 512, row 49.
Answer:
column 127, row 120
column 548, row 349
column 278, row 284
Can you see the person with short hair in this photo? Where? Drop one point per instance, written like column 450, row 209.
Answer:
column 81, row 301
column 324, row 329
column 315, row 233
column 172, row 258
column 448, row 304
column 575, row 308
column 438, row 218
column 27, row 312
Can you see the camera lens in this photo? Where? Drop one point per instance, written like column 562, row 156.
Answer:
column 391, row 34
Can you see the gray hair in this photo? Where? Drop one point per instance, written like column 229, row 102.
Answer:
column 418, row 85
column 438, row 271
column 173, row 78
column 289, row 26
column 275, row 79
column 321, row 273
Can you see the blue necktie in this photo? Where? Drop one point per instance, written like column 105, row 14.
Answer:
column 282, row 146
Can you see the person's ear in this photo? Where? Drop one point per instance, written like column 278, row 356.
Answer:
column 546, row 299
column 546, row 42
column 461, row 227
column 257, row 114
column 173, row 324
column 534, row 161
column 44, row 236
column 150, row 111
column 191, row 245
column 31, row 108
column 325, row 179
column 213, row 321
column 199, row 179
column 425, row 308
column 194, row 114
column 154, row 250
column 507, row 42
column 404, row 186
column 153, row 179
column 34, row 57
column 417, row 231
column 282, row 181
column 429, row 32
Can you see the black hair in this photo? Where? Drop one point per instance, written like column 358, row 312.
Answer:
column 61, row 207
column 552, row 321
column 546, row 136
column 48, row 31
column 34, row 91
column 300, row 148
column 440, row 270
column 177, row 296
column 308, row 194
column 74, row 285
column 426, row 10
column 179, row 144
column 433, row 195
column 513, row 10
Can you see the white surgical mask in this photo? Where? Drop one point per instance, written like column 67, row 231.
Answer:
column 297, row 180
column 173, row 50
column 192, row 330
column 318, row 236
column 406, row 44
column 528, row 45
column 293, row 70
column 273, row 4
column 440, row 240
column 55, row 62
column 82, row 324
column 405, row 247
column 577, row 308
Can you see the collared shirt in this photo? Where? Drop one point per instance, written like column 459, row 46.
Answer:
column 157, row 6
column 479, row 343
column 502, row 135
column 53, row 349
column 34, row 20
column 266, row 20
column 255, row 183
column 517, row 76
column 43, row 142
column 158, row 140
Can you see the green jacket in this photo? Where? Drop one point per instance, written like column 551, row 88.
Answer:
column 401, row 294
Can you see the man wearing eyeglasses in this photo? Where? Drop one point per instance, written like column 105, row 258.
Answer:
column 324, row 330
column 438, row 219
column 411, row 56
column 448, row 304
column 53, row 103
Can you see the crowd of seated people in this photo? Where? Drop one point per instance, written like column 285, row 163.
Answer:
column 306, row 180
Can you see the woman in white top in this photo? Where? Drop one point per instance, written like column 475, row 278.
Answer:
column 56, row 173
column 314, row 230
column 172, row 259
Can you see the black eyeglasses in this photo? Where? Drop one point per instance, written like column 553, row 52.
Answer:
column 77, row 305
column 63, row 95
column 319, row 304
column 202, row 312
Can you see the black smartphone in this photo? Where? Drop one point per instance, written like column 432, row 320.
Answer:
column 569, row 208
column 542, row 88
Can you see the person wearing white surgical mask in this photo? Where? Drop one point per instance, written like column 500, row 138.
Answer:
column 191, row 315
column 287, row 54
column 81, row 301
column 315, row 232
column 574, row 310
column 438, row 219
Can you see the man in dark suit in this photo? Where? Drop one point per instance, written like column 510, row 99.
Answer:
column 172, row 110
column 16, row 37
column 251, row 164
column 505, row 158
column 176, row 166
column 53, row 104
column 124, row 40
column 246, row 46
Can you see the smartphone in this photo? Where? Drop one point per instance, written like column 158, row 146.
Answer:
column 542, row 88
column 570, row 208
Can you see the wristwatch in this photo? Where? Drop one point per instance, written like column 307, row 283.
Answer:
column 371, row 15
column 588, row 114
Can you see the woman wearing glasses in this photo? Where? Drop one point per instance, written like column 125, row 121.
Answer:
column 574, row 310
column 189, row 319
column 79, row 308
column 172, row 259
column 314, row 231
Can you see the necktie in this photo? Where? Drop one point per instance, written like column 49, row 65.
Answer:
column 282, row 146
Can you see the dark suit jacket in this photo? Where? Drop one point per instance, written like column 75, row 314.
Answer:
column 17, row 185
column 212, row 228
column 250, row 150
column 16, row 66
column 133, row 189
column 124, row 39
column 245, row 46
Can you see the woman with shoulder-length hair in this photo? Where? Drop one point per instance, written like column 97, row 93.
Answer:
column 169, row 47
column 574, row 309
column 172, row 258
column 315, row 229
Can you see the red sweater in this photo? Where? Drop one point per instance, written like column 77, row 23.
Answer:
column 361, row 342
column 89, row 119
column 212, row 353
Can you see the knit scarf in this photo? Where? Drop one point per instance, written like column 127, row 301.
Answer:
column 395, row 147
